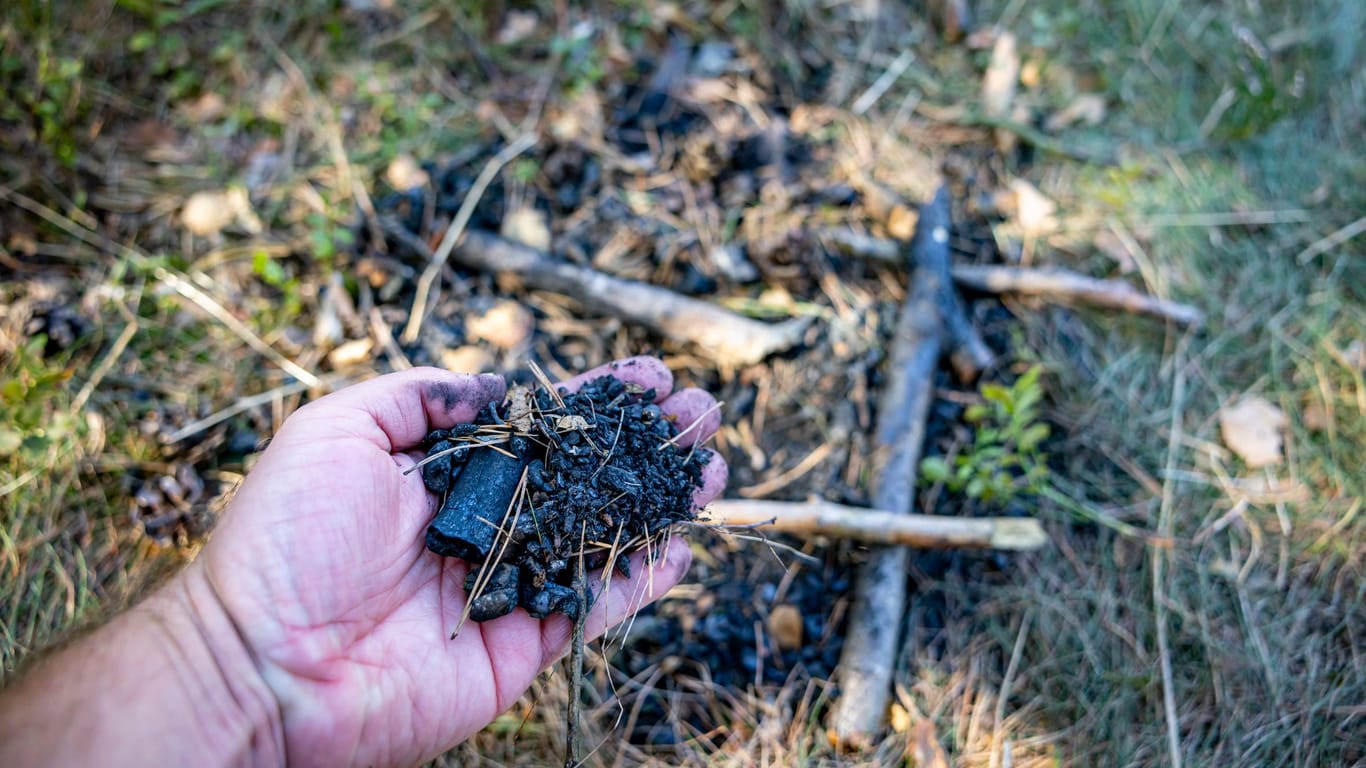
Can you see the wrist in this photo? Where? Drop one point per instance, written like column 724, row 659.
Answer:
column 232, row 705
column 167, row 683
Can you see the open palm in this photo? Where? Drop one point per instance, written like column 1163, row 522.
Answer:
column 320, row 561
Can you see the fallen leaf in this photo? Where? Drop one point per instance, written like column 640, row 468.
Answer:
column 1087, row 108
column 507, row 325
column 785, row 625
column 404, row 174
column 1002, row 77
column 926, row 752
column 1034, row 211
column 1252, row 429
column 351, row 353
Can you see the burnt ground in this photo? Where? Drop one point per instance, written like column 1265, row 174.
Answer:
column 822, row 393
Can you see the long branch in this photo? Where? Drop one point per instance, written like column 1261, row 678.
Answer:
column 726, row 337
column 870, row 650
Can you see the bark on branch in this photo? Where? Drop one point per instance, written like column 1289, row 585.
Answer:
column 726, row 337
column 1051, row 283
column 870, row 650
column 1062, row 285
column 824, row 518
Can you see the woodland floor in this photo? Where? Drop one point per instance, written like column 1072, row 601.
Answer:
column 207, row 216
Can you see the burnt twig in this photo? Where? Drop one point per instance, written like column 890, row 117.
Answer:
column 879, row 598
column 968, row 353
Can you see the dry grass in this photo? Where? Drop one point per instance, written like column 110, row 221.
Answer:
column 1239, row 644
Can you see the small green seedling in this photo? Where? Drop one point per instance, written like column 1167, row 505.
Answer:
column 1004, row 459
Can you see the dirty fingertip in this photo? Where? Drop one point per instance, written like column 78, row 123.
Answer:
column 695, row 413
column 461, row 397
column 643, row 371
column 714, row 477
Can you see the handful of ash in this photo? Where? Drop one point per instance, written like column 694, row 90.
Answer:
column 549, row 485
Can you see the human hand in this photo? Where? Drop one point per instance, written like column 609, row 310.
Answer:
column 320, row 564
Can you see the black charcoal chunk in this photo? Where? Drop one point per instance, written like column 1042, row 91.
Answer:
column 551, row 598
column 484, row 490
column 499, row 596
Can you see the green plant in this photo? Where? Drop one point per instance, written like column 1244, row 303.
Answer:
column 28, row 385
column 1004, row 459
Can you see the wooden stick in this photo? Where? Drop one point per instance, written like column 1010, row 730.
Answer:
column 825, row 518
column 1050, row 283
column 1062, row 285
column 726, row 337
column 870, row 648
column 969, row 355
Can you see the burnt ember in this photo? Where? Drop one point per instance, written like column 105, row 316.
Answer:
column 546, row 478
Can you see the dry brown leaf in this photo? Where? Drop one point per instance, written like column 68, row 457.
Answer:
column 1252, row 429
column 404, row 174
column 507, row 325
column 785, row 625
column 1034, row 211
column 351, row 353
column 926, row 751
column 1002, row 77
column 1087, row 108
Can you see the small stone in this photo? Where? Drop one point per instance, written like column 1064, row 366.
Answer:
column 507, row 326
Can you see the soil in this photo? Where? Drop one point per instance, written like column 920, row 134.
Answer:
column 545, row 479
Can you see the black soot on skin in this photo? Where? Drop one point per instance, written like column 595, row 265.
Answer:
column 485, row 388
column 532, row 485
